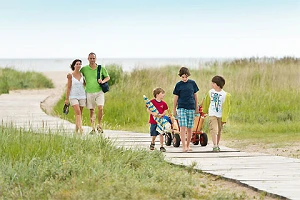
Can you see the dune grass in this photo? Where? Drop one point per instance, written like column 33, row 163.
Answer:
column 12, row 79
column 51, row 166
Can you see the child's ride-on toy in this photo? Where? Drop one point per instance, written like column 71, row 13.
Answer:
column 198, row 136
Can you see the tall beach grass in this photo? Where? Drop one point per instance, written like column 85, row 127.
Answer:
column 51, row 166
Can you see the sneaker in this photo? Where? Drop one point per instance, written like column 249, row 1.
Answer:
column 162, row 149
column 152, row 146
column 219, row 148
column 92, row 132
column 216, row 149
column 99, row 129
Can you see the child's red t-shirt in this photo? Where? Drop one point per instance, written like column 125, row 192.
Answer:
column 160, row 106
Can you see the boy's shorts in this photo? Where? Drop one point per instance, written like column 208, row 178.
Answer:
column 81, row 102
column 153, row 131
column 185, row 117
column 215, row 125
column 94, row 99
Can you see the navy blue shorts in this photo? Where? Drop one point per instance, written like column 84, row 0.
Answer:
column 153, row 131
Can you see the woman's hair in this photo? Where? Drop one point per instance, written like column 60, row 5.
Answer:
column 184, row 70
column 158, row 90
column 73, row 64
column 219, row 80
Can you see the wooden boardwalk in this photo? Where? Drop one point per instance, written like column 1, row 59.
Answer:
column 273, row 174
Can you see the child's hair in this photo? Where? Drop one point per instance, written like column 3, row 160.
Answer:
column 158, row 90
column 73, row 64
column 219, row 80
column 184, row 70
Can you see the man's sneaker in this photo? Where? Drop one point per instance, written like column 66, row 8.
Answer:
column 152, row 146
column 99, row 129
column 162, row 149
column 92, row 132
column 216, row 149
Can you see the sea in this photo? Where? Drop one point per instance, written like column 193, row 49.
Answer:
column 127, row 64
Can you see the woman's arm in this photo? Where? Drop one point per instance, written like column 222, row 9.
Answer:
column 69, row 85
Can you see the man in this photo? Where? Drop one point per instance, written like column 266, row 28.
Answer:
column 95, row 96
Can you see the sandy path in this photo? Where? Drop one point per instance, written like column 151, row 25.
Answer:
column 59, row 80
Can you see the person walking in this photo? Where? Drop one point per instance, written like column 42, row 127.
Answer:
column 75, row 94
column 185, row 106
column 162, row 108
column 95, row 95
column 217, row 105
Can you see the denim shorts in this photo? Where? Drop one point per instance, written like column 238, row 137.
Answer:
column 185, row 117
column 153, row 131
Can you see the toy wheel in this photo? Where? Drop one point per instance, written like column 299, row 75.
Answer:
column 203, row 139
column 176, row 140
column 196, row 139
column 168, row 139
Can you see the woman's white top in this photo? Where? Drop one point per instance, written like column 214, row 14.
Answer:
column 77, row 89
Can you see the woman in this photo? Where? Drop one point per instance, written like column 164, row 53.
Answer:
column 75, row 94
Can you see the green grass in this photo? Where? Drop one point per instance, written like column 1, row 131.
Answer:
column 12, row 79
column 50, row 166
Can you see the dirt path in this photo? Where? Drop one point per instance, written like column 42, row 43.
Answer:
column 59, row 80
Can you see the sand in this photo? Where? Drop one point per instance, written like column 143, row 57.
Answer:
column 59, row 80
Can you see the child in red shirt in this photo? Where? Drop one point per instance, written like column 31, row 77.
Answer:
column 162, row 108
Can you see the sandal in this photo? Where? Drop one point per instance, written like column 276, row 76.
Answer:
column 99, row 129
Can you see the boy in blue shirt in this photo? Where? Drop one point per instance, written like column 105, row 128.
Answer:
column 185, row 106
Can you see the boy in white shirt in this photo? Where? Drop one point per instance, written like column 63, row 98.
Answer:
column 217, row 105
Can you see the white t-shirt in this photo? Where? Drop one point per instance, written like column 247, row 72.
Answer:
column 77, row 89
column 216, row 101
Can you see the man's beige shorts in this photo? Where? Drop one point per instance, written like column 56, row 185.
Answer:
column 81, row 102
column 94, row 99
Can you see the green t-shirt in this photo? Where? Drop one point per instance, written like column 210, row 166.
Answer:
column 90, row 77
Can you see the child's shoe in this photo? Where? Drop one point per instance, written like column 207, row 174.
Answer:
column 162, row 149
column 216, row 149
column 152, row 146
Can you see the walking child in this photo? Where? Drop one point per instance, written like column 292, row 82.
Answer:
column 162, row 107
column 217, row 105
column 185, row 106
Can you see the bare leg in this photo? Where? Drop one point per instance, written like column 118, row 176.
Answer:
column 100, row 115
column 219, row 135
column 213, row 129
column 77, row 117
column 92, row 118
column 153, row 139
column 220, row 127
column 183, row 138
column 80, row 128
column 188, row 139
column 161, row 140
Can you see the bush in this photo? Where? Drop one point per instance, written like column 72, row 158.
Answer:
column 4, row 87
column 115, row 72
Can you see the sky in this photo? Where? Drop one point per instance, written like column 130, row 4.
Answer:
column 149, row 28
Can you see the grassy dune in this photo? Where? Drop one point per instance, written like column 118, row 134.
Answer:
column 12, row 79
